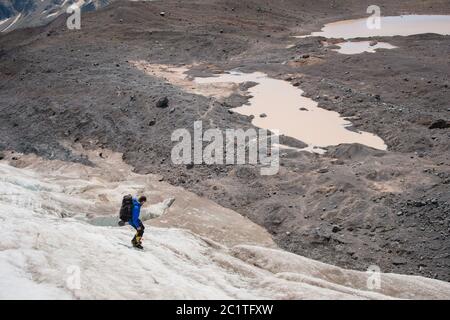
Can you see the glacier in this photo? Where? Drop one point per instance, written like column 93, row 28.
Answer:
column 50, row 249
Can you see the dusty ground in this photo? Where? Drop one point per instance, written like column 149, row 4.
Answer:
column 352, row 207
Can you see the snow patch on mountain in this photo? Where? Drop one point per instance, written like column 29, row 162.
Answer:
column 30, row 13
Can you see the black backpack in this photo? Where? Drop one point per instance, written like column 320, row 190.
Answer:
column 127, row 208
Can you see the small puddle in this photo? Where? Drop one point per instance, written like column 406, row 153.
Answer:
column 277, row 104
column 405, row 25
column 361, row 46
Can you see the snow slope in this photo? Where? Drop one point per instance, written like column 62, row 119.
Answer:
column 45, row 239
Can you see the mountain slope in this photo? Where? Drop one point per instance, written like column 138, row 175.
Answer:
column 392, row 209
column 16, row 14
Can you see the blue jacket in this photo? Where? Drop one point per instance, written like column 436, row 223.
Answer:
column 134, row 221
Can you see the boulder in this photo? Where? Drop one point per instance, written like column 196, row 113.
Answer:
column 335, row 229
column 189, row 166
column 162, row 102
column 440, row 124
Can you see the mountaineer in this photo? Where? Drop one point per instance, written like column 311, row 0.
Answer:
column 129, row 212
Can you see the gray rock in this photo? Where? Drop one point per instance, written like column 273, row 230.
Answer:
column 162, row 102
column 189, row 166
column 335, row 229
column 440, row 124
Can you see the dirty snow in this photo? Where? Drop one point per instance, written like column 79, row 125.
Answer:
column 46, row 238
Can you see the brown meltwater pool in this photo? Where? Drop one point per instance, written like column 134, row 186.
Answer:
column 278, row 105
column 389, row 26
column 356, row 47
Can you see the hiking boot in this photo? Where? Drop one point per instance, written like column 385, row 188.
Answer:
column 137, row 244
